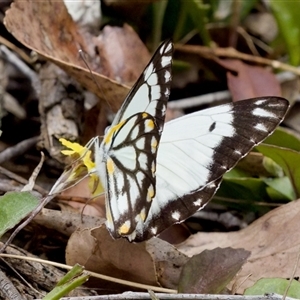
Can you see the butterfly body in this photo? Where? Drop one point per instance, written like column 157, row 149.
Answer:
column 159, row 174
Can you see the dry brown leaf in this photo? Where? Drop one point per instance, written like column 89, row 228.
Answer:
column 53, row 34
column 273, row 240
column 210, row 271
column 98, row 252
column 119, row 47
column 153, row 262
column 168, row 262
column 251, row 81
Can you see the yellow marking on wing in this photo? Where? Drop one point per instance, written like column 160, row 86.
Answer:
column 154, row 143
column 108, row 137
column 110, row 166
column 143, row 214
column 144, row 115
column 153, row 168
column 150, row 193
column 124, row 228
column 150, row 124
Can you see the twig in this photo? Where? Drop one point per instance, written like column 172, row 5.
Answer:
column 199, row 100
column 19, row 63
column 232, row 53
column 18, row 149
column 21, row 180
column 31, row 182
column 292, row 277
column 22, row 278
column 7, row 288
column 104, row 277
column 191, row 102
column 13, row 47
column 146, row 296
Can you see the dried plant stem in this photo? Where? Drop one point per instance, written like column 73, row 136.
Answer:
column 232, row 53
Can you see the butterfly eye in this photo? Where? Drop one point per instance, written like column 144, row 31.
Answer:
column 106, row 130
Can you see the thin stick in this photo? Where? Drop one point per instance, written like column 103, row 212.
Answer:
column 292, row 277
column 101, row 276
column 18, row 149
column 232, row 53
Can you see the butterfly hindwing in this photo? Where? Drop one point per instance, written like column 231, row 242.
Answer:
column 129, row 149
column 191, row 163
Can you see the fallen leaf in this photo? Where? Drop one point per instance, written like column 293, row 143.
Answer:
column 250, row 81
column 273, row 241
column 61, row 44
column 154, row 262
column 119, row 47
column 210, row 271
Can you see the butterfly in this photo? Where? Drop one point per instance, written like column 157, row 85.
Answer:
column 157, row 174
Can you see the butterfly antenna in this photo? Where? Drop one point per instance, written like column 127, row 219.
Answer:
column 87, row 202
column 81, row 53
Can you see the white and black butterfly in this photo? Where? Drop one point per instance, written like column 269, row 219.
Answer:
column 158, row 174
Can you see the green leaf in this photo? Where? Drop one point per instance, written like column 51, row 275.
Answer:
column 236, row 173
column 198, row 13
column 159, row 9
column 274, row 285
column 280, row 188
column 284, row 138
column 246, row 188
column 15, row 206
column 74, row 278
column 272, row 167
column 287, row 16
column 288, row 159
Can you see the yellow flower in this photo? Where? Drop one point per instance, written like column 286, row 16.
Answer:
column 82, row 166
column 83, row 153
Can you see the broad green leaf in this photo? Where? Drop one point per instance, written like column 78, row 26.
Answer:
column 280, row 189
column 287, row 16
column 272, row 167
column 288, row 159
column 236, row 173
column 274, row 285
column 284, row 138
column 15, row 206
column 246, row 188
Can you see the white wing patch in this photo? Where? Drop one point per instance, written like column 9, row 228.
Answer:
column 259, row 112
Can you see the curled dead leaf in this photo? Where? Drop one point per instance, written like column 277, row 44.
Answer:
column 273, row 241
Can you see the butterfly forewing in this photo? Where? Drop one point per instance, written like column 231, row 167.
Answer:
column 191, row 163
column 151, row 91
column 127, row 155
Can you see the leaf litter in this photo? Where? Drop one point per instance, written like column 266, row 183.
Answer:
column 270, row 239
